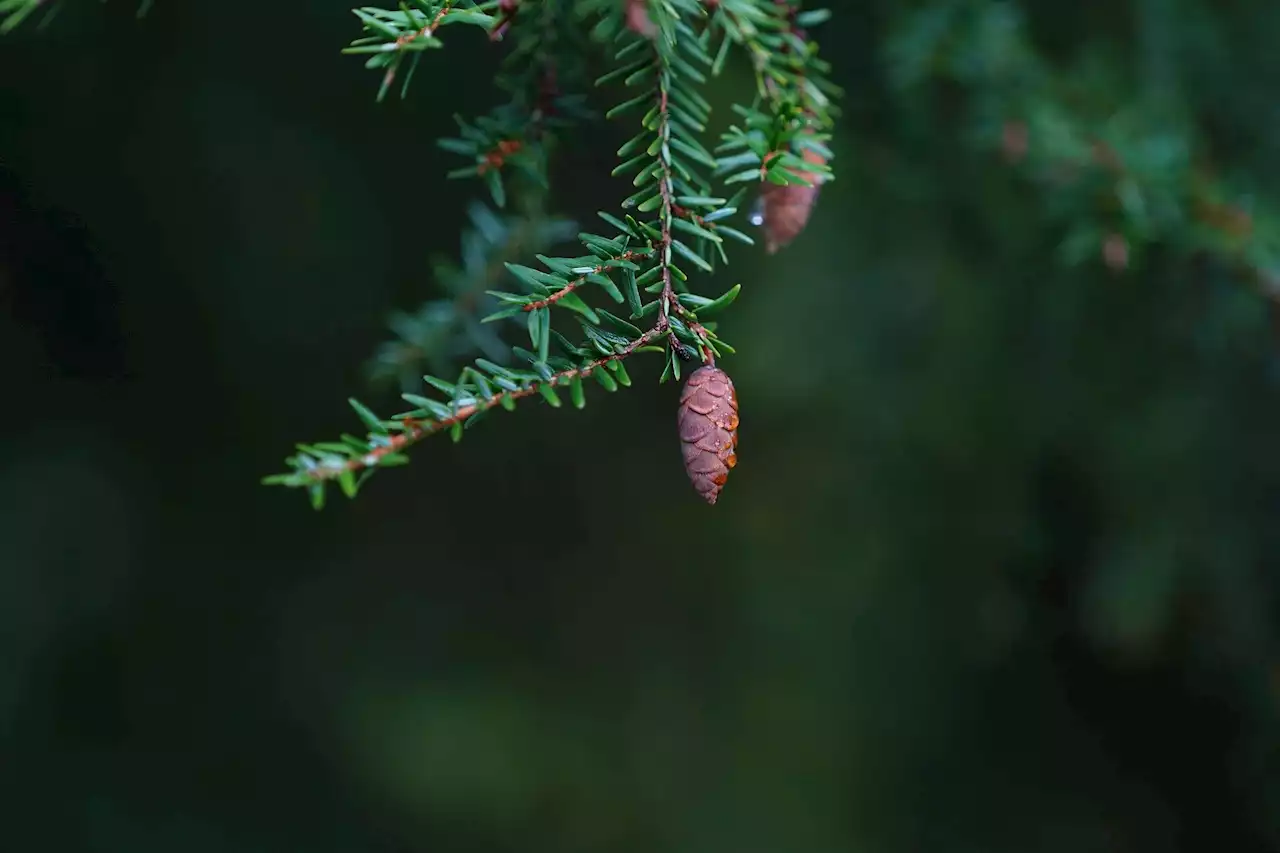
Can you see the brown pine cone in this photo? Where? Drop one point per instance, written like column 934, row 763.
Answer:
column 708, row 421
column 786, row 209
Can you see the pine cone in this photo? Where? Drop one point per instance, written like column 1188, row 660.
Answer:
column 785, row 209
column 708, row 421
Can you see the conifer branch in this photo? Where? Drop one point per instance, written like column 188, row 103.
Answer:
column 793, row 113
column 673, row 219
column 471, row 398
column 405, row 38
column 443, row 330
column 586, row 276
column 683, row 225
column 539, row 78
column 520, row 134
column 393, row 34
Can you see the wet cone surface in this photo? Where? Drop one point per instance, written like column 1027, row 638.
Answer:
column 708, row 421
column 786, row 209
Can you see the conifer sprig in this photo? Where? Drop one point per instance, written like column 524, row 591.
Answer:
column 793, row 111
column 445, row 330
column 686, row 223
column 544, row 76
column 670, row 221
column 394, row 34
column 510, row 149
column 673, row 221
column 352, row 460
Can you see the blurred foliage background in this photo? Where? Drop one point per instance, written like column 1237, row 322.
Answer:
column 997, row 572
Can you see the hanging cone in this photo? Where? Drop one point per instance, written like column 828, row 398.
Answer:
column 708, row 421
column 784, row 210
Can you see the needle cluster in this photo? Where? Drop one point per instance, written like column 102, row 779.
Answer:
column 630, row 285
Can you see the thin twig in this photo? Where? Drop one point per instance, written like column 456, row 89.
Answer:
column 414, row 430
column 573, row 285
column 430, row 28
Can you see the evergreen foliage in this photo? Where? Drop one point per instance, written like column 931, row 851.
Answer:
column 1026, row 514
column 676, row 222
column 1121, row 164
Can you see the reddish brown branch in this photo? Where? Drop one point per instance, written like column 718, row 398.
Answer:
column 571, row 286
column 415, row 429
column 428, row 29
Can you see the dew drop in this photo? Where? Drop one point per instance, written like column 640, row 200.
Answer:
column 756, row 214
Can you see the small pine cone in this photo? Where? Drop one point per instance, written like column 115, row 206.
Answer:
column 708, row 421
column 785, row 209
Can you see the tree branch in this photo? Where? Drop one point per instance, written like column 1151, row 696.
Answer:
column 582, row 279
column 414, row 429
column 405, row 39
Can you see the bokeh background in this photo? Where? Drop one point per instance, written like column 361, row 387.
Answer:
column 997, row 571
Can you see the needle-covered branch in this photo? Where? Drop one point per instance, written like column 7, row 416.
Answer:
column 793, row 111
column 486, row 386
column 446, row 330
column 545, row 77
column 782, row 139
column 394, row 34
column 510, row 148
column 672, row 223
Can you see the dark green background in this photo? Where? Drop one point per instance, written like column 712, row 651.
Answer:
column 997, row 571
